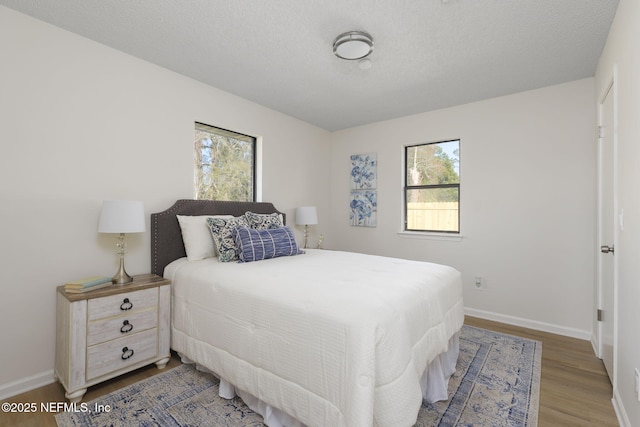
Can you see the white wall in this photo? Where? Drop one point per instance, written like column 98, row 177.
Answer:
column 622, row 51
column 80, row 123
column 527, row 202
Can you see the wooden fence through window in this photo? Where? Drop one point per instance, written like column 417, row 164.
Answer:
column 433, row 216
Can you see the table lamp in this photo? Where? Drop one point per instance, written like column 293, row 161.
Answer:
column 121, row 217
column 306, row 215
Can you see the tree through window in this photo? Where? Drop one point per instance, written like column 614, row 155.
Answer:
column 225, row 164
column 432, row 187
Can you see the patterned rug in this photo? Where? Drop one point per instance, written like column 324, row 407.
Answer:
column 496, row 383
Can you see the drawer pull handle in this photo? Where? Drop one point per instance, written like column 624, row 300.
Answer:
column 126, row 327
column 126, row 353
column 126, row 305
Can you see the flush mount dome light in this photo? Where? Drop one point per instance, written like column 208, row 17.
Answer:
column 353, row 45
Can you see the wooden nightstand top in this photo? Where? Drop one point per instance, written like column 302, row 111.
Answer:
column 142, row 281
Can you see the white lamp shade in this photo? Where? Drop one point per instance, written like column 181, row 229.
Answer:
column 122, row 216
column 306, row 215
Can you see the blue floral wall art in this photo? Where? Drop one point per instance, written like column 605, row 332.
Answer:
column 363, row 208
column 363, row 201
column 364, row 175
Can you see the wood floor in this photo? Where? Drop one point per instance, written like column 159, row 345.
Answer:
column 574, row 388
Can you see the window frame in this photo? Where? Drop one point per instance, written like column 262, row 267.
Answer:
column 407, row 188
column 237, row 135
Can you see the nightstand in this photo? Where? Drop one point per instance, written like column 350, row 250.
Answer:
column 107, row 332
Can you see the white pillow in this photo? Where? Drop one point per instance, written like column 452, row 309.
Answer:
column 196, row 236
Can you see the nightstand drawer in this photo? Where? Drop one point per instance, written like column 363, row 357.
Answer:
column 122, row 303
column 121, row 353
column 116, row 327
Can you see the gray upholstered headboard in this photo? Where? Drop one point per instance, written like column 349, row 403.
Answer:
column 166, row 237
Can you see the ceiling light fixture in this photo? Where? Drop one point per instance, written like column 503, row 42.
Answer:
column 353, row 45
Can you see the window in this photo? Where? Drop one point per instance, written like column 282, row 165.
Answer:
column 225, row 164
column 432, row 187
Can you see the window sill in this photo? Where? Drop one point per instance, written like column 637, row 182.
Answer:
column 430, row 236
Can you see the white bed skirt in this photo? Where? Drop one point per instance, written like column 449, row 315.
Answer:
column 434, row 383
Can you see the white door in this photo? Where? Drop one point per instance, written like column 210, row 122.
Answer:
column 607, row 231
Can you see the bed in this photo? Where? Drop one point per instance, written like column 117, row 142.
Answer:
column 321, row 338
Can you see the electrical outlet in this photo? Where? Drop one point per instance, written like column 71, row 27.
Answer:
column 478, row 283
column 637, row 384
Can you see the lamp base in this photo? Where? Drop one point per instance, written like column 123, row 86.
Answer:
column 121, row 277
column 306, row 235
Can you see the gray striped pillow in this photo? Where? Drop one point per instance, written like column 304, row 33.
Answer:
column 256, row 245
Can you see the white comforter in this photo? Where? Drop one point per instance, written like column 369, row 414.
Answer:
column 331, row 338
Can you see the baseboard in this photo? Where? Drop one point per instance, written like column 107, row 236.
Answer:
column 531, row 324
column 594, row 345
column 618, row 407
column 26, row 384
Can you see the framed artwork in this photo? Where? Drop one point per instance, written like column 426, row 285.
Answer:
column 363, row 203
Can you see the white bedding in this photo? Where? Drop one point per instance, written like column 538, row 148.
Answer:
column 331, row 338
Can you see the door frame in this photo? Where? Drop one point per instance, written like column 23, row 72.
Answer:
column 611, row 87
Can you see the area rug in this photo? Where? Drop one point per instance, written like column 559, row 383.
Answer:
column 496, row 383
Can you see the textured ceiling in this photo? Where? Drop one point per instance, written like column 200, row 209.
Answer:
column 428, row 54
